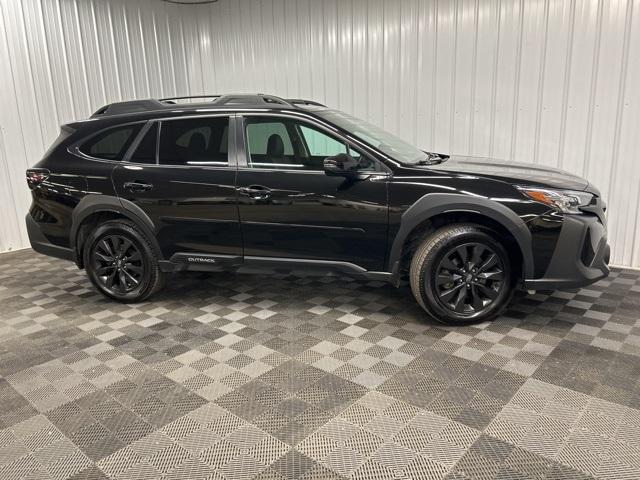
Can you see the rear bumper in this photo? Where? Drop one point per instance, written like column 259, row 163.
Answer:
column 581, row 256
column 41, row 245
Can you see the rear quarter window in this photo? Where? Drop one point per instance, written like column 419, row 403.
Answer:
column 111, row 144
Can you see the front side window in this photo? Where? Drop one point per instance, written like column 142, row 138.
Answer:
column 288, row 144
column 388, row 143
column 194, row 141
column 111, row 144
column 320, row 144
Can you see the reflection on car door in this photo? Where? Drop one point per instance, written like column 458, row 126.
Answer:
column 185, row 183
column 289, row 208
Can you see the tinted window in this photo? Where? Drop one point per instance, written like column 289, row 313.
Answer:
column 111, row 144
column 197, row 141
column 292, row 145
column 385, row 141
column 146, row 150
column 320, row 144
column 259, row 132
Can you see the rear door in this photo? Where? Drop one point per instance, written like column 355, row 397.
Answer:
column 289, row 207
column 181, row 174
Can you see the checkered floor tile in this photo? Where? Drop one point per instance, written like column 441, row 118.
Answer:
column 229, row 377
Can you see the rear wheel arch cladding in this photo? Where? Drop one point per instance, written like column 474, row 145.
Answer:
column 432, row 204
column 98, row 204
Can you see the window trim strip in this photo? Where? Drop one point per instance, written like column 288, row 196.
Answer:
column 74, row 148
column 243, row 162
column 136, row 143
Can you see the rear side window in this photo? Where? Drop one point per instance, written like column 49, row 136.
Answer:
column 195, row 141
column 111, row 144
column 146, row 150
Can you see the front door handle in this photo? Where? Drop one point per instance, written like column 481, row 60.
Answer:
column 138, row 186
column 257, row 192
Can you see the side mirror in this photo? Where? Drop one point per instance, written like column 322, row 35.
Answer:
column 341, row 165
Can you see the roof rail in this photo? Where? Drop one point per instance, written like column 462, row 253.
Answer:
column 132, row 106
column 188, row 97
column 300, row 101
column 251, row 99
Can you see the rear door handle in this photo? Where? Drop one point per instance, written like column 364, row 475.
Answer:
column 138, row 186
column 257, row 192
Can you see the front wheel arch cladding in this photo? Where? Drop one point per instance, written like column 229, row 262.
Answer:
column 95, row 204
column 432, row 204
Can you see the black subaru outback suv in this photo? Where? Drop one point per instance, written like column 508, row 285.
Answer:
column 145, row 188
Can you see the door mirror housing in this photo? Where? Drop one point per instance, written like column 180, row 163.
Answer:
column 341, row 165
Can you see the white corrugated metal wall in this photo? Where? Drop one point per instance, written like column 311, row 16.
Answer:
column 553, row 82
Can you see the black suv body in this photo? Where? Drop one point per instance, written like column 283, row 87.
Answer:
column 149, row 187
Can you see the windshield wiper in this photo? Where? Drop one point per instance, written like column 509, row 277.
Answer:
column 433, row 159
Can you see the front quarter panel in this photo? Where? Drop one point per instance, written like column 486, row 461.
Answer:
column 418, row 194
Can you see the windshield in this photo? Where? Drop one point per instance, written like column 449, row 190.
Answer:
column 386, row 142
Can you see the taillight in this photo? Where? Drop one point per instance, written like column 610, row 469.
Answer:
column 35, row 176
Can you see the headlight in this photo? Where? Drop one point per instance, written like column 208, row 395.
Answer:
column 567, row 201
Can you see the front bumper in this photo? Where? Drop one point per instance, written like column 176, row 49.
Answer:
column 581, row 256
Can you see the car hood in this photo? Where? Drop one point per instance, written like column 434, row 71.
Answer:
column 512, row 172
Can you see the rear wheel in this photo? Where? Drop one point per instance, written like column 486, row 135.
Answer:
column 461, row 274
column 121, row 263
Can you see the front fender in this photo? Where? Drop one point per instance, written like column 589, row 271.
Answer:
column 432, row 204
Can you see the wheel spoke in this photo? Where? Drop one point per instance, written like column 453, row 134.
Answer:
column 476, row 300
column 105, row 247
column 463, row 253
column 459, row 304
column 134, row 257
column 444, row 278
column 123, row 281
column 448, row 264
column 103, row 258
column 476, row 255
column 110, row 279
column 494, row 276
column 489, row 292
column 104, row 270
column 489, row 262
column 447, row 295
column 126, row 244
column 133, row 268
column 131, row 277
column 117, row 245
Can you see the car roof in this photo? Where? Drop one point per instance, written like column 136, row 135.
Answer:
column 196, row 103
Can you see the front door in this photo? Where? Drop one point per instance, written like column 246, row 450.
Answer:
column 185, row 183
column 289, row 208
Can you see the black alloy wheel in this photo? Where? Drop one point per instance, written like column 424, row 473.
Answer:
column 118, row 264
column 121, row 262
column 462, row 274
column 469, row 278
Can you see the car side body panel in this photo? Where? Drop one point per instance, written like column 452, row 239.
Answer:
column 195, row 215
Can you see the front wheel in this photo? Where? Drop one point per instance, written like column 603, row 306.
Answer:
column 461, row 274
column 121, row 263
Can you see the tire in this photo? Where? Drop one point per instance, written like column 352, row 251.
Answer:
column 120, row 246
column 448, row 288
